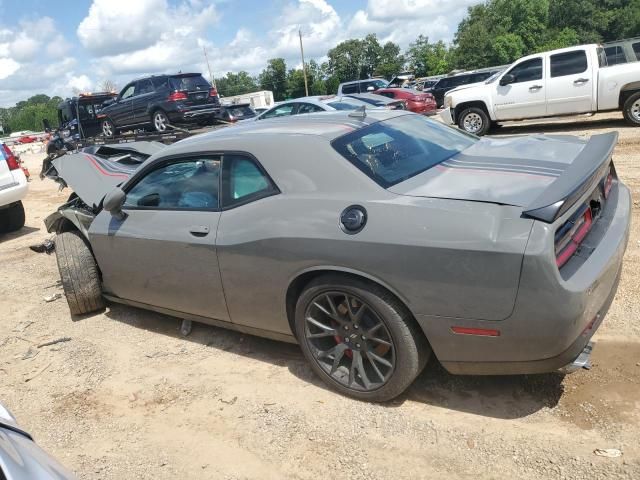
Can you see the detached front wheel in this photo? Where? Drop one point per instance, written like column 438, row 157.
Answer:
column 474, row 120
column 79, row 273
column 358, row 338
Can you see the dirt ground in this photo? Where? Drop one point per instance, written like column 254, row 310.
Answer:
column 128, row 397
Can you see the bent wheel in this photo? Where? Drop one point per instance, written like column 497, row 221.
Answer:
column 79, row 273
column 358, row 338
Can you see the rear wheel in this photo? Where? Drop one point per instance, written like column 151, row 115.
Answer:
column 12, row 218
column 631, row 109
column 108, row 128
column 160, row 121
column 358, row 338
column 474, row 120
column 79, row 273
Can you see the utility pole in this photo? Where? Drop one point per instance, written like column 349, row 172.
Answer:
column 211, row 79
column 304, row 69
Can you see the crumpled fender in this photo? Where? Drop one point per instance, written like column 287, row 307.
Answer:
column 80, row 218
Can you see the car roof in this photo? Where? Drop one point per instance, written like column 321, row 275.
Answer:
column 363, row 80
column 165, row 75
column 329, row 125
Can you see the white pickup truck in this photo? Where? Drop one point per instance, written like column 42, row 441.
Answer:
column 568, row 81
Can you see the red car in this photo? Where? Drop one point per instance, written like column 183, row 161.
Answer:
column 416, row 101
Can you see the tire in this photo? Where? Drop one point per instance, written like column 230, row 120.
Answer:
column 108, row 128
column 631, row 109
column 79, row 273
column 474, row 120
column 406, row 350
column 12, row 218
column 159, row 121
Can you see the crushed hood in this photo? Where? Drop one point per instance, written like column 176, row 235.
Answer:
column 510, row 171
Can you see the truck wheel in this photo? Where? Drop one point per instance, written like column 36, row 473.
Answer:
column 108, row 128
column 79, row 273
column 160, row 121
column 474, row 120
column 631, row 109
column 359, row 339
column 12, row 218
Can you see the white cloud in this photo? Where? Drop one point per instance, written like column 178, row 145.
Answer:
column 117, row 27
column 8, row 67
column 24, row 47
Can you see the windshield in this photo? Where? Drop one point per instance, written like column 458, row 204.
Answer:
column 493, row 77
column 395, row 150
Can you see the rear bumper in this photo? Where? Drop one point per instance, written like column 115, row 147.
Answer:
column 554, row 317
column 14, row 191
column 192, row 115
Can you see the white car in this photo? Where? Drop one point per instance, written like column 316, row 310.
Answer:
column 567, row 81
column 13, row 188
column 311, row 104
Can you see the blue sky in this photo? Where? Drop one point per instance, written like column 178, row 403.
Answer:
column 56, row 47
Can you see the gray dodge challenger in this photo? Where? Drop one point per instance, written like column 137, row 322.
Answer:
column 371, row 238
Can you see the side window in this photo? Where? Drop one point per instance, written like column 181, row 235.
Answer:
column 144, row 86
column 443, row 84
column 187, row 185
column 308, row 108
column 127, row 92
column 244, row 181
column 636, row 50
column 350, row 88
column 528, row 70
column 569, row 63
column 280, row 111
column 160, row 82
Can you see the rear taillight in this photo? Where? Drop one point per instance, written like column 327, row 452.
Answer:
column 12, row 161
column 213, row 92
column 175, row 96
column 569, row 237
column 418, row 98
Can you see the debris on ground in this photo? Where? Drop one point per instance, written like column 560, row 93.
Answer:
column 53, row 297
column 608, row 452
column 53, row 342
column 48, row 246
column 32, row 352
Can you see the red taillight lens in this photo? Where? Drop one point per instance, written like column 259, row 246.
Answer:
column 571, row 234
column 12, row 161
column 175, row 96
column 213, row 92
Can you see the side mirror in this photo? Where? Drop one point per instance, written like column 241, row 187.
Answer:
column 370, row 89
column 507, row 79
column 113, row 203
column 46, row 124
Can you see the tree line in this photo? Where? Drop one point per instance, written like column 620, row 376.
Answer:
column 495, row 32
column 492, row 33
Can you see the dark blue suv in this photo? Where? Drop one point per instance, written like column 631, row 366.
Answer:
column 160, row 101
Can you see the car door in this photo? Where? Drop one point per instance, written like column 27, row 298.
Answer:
column 248, row 196
column 525, row 97
column 163, row 252
column 570, row 83
column 140, row 101
column 121, row 112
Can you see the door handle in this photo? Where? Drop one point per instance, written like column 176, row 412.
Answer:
column 580, row 81
column 199, row 230
column 535, row 88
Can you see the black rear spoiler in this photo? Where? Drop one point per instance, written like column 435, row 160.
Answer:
column 581, row 176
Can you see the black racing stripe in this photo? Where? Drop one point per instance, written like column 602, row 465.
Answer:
column 506, row 165
column 547, row 164
column 112, row 166
column 501, row 169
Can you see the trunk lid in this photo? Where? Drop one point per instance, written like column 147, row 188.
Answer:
column 533, row 172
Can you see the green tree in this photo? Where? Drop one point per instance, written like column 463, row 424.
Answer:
column 425, row 58
column 236, row 84
column 274, row 78
column 390, row 61
column 346, row 60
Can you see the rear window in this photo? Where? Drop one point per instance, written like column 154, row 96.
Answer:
column 615, row 55
column 189, row 83
column 351, row 88
column 636, row 50
column 343, row 105
column 239, row 112
column 395, row 150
